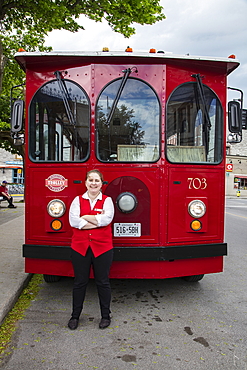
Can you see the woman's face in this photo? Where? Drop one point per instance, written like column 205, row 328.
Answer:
column 93, row 183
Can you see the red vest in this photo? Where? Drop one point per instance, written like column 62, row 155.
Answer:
column 100, row 239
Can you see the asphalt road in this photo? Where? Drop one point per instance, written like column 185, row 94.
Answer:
column 7, row 214
column 157, row 324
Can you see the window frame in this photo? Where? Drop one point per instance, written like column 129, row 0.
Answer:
column 97, row 127
column 218, row 149
column 32, row 127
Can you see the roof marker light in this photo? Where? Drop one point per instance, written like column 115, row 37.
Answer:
column 128, row 49
column 232, row 56
column 105, row 49
column 20, row 50
column 152, row 51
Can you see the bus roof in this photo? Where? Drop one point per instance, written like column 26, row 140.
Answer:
column 26, row 59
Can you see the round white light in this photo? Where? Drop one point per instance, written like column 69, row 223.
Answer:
column 197, row 208
column 126, row 202
column 56, row 208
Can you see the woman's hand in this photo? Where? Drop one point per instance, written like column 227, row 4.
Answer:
column 90, row 219
column 89, row 226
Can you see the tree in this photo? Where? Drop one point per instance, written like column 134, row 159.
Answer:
column 13, row 76
column 121, row 130
column 33, row 18
column 25, row 23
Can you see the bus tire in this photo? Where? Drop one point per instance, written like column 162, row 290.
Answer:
column 193, row 278
column 51, row 278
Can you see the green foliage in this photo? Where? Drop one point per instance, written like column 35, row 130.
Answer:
column 30, row 41
column 46, row 15
column 12, row 76
column 4, row 109
column 25, row 23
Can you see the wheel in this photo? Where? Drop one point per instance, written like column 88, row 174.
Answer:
column 51, row 278
column 193, row 278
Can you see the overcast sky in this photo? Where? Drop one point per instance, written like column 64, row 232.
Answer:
column 198, row 27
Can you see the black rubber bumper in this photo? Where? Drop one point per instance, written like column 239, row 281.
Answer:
column 168, row 253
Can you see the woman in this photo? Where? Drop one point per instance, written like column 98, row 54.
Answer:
column 90, row 216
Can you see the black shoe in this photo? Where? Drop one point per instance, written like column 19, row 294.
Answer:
column 12, row 206
column 104, row 323
column 73, row 323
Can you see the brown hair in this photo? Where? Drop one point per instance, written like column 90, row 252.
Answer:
column 95, row 171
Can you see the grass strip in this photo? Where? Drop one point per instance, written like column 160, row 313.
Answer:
column 9, row 326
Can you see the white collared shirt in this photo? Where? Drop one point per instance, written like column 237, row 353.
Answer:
column 103, row 219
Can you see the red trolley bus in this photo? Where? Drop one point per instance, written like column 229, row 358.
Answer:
column 155, row 125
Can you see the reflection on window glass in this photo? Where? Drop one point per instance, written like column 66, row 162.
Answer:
column 132, row 134
column 59, row 123
column 194, row 127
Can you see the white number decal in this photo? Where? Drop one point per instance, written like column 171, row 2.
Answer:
column 204, row 183
column 196, row 183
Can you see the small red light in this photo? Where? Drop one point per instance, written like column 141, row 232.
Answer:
column 20, row 50
column 128, row 49
column 232, row 56
column 152, row 51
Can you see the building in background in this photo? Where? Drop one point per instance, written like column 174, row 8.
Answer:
column 236, row 167
column 11, row 167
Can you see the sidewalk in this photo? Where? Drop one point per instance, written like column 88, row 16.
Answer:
column 12, row 275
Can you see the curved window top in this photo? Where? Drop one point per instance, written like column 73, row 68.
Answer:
column 59, row 122
column 194, row 125
column 132, row 132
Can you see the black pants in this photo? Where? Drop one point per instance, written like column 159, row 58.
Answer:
column 101, row 267
column 9, row 200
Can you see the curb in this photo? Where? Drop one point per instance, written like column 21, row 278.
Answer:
column 13, row 296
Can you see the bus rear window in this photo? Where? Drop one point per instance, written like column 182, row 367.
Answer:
column 59, row 123
column 133, row 132
column 194, row 127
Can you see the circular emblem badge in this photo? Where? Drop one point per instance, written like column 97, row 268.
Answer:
column 56, row 183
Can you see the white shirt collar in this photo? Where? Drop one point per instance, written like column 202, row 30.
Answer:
column 85, row 196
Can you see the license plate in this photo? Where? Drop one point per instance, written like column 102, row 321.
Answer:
column 130, row 229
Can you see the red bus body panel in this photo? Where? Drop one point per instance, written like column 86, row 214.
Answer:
column 164, row 189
